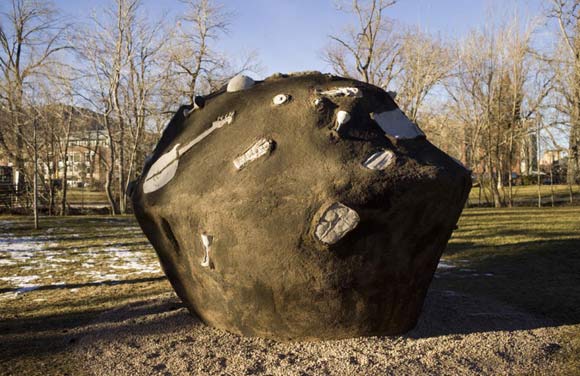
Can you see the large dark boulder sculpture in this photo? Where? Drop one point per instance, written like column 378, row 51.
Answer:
column 304, row 206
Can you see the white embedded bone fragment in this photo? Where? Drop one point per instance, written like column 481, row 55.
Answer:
column 335, row 223
column 342, row 117
column 260, row 148
column 206, row 240
column 165, row 167
column 396, row 124
column 239, row 83
column 223, row 120
column 317, row 102
column 380, row 160
column 343, row 92
column 280, row 99
column 198, row 102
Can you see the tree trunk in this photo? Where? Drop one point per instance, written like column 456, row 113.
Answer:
column 35, row 193
column 552, row 183
column 110, row 166
column 63, row 202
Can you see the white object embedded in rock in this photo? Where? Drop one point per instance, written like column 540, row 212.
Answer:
column 165, row 167
column 260, row 148
column 280, row 99
column 342, row 117
column 380, row 160
column 343, row 92
column 239, row 83
column 396, row 124
column 335, row 223
column 206, row 240
column 198, row 103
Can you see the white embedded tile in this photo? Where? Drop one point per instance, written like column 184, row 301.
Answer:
column 396, row 124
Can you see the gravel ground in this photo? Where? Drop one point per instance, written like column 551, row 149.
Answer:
column 456, row 335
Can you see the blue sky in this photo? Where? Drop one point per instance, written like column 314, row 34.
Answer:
column 288, row 35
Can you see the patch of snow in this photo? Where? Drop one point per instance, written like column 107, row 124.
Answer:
column 20, row 280
column 445, row 265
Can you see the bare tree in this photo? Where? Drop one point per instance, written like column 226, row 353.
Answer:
column 425, row 62
column 566, row 62
column 495, row 95
column 31, row 36
column 370, row 50
column 104, row 51
column 144, row 42
column 191, row 55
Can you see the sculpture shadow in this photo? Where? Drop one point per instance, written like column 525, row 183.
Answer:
column 512, row 287
column 86, row 284
column 46, row 335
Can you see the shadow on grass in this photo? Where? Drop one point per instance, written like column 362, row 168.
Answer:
column 512, row 287
column 88, row 284
column 43, row 337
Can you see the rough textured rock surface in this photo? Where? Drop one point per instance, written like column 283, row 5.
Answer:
column 241, row 246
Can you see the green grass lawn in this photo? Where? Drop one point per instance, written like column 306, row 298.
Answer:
column 76, row 196
column 59, row 278
column 528, row 194
column 55, row 280
column 521, row 194
column 524, row 257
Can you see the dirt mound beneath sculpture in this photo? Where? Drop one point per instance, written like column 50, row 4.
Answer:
column 456, row 335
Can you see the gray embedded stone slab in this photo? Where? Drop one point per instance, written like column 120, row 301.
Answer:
column 380, row 160
column 288, row 261
column 336, row 221
column 396, row 124
column 239, row 83
column 258, row 149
